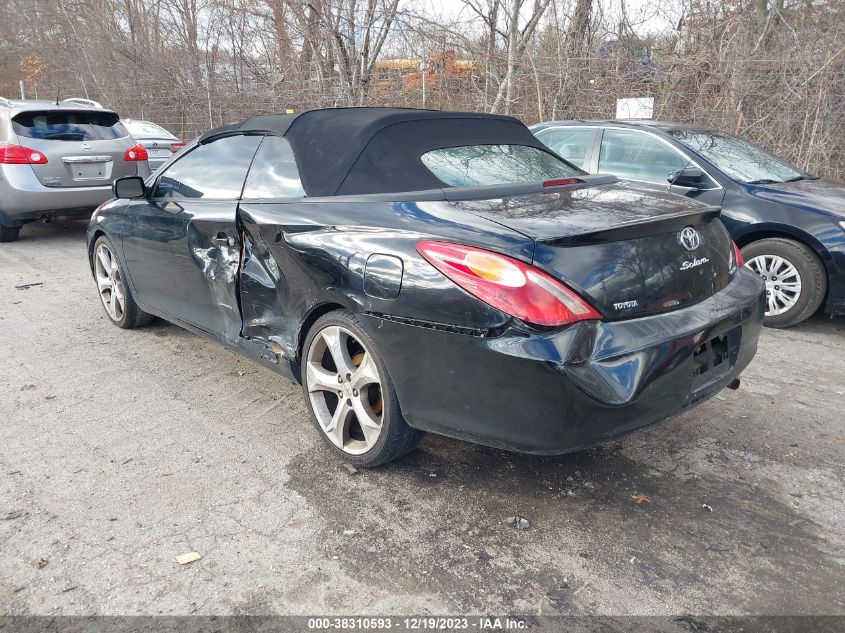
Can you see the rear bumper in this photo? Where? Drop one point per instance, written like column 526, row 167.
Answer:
column 24, row 198
column 560, row 392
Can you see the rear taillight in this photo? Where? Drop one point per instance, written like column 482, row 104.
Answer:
column 736, row 257
column 18, row 155
column 518, row 289
column 136, row 152
column 175, row 147
column 737, row 254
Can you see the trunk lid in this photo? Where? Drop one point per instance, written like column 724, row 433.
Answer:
column 83, row 148
column 158, row 148
column 630, row 253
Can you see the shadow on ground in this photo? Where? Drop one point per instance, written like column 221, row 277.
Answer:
column 438, row 514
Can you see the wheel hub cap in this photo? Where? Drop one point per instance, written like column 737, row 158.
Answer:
column 783, row 282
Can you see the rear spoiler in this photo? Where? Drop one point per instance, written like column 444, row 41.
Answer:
column 639, row 228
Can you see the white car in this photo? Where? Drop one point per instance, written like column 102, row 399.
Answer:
column 159, row 143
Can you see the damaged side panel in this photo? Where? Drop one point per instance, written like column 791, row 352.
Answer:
column 216, row 255
column 264, row 291
column 297, row 258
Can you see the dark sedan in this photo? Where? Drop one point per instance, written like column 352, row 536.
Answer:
column 433, row 271
column 789, row 224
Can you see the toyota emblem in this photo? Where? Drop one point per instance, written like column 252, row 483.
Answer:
column 86, row 147
column 689, row 238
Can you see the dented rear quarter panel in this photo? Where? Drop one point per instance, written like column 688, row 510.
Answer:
column 302, row 255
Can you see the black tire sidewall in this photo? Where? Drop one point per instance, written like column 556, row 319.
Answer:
column 808, row 265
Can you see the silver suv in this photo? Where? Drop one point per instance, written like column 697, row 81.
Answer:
column 60, row 159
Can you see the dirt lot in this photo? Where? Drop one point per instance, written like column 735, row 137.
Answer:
column 121, row 450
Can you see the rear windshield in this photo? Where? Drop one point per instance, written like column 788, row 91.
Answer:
column 69, row 126
column 477, row 165
column 147, row 129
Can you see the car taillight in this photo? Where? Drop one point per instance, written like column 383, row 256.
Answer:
column 738, row 254
column 18, row 155
column 175, row 147
column 518, row 289
column 736, row 257
column 559, row 182
column 136, row 152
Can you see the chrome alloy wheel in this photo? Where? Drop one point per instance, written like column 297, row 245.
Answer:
column 783, row 282
column 345, row 390
column 109, row 282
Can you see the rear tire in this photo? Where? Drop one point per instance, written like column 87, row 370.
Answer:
column 114, row 292
column 801, row 272
column 9, row 233
column 350, row 394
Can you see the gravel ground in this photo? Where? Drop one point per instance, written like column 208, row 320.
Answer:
column 122, row 449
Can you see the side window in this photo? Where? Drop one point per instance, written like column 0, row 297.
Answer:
column 571, row 143
column 212, row 171
column 273, row 173
column 638, row 156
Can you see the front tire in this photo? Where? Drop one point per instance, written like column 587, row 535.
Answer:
column 795, row 279
column 350, row 394
column 115, row 295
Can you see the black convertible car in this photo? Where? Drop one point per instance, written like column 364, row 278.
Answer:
column 433, row 271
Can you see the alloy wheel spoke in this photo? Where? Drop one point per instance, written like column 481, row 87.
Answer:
column 366, row 373
column 103, row 283
column 364, row 413
column 320, row 379
column 371, row 432
column 336, row 342
column 117, row 295
column 105, row 259
column 336, row 428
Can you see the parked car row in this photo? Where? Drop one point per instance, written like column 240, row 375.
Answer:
column 61, row 158
column 454, row 273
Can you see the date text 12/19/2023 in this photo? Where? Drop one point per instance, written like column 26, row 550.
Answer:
column 420, row 623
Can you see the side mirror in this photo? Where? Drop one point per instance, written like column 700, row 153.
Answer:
column 691, row 177
column 129, row 187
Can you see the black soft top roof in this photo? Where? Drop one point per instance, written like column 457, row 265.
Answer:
column 347, row 151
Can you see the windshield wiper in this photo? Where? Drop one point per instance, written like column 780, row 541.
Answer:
column 763, row 181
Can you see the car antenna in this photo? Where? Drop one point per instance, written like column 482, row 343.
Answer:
column 57, row 95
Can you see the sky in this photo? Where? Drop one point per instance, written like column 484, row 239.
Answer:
column 646, row 16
